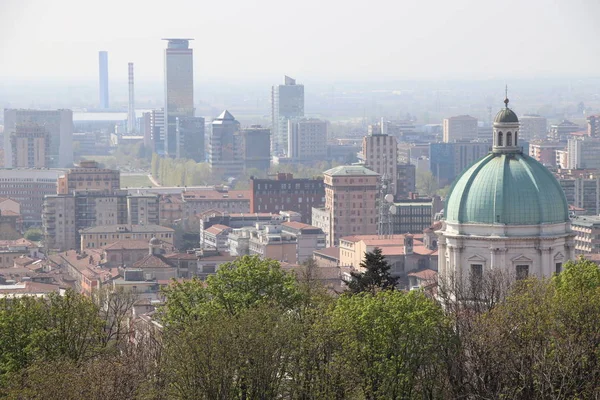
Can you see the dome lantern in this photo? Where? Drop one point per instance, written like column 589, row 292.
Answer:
column 506, row 130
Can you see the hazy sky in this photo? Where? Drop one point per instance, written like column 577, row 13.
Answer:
column 321, row 39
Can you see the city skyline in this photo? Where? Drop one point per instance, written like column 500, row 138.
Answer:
column 410, row 41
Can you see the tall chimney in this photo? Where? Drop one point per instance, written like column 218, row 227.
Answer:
column 131, row 110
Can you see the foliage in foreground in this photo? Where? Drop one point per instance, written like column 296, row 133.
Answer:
column 254, row 332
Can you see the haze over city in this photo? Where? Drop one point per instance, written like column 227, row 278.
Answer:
column 299, row 200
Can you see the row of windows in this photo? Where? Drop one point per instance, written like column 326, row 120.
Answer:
column 522, row 271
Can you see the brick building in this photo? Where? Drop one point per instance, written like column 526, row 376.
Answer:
column 286, row 193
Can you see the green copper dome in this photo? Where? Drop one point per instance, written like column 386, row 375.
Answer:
column 506, row 115
column 506, row 188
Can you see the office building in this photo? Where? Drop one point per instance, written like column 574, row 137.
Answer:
column 307, row 139
column 287, row 102
column 190, row 138
column 413, row 215
column 284, row 193
column 593, row 123
column 59, row 134
column 226, row 154
column 256, row 142
column 103, row 79
column 406, row 180
column 448, row 160
column 131, row 119
column 179, row 90
column 29, row 146
column 380, row 153
column 583, row 153
column 462, row 127
column 157, row 131
column 533, row 126
column 350, row 203
column 561, row 132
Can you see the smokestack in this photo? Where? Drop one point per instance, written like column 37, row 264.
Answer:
column 131, row 110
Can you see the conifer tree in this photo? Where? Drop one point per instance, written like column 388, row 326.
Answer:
column 376, row 276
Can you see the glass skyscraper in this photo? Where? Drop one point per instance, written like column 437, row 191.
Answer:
column 179, row 90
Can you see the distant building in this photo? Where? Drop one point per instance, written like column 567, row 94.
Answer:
column 190, row 138
column 103, row 79
column 462, row 127
column 59, row 134
column 156, row 131
column 380, row 153
column 448, row 160
column 561, row 131
column 307, row 139
column 286, row 193
column 28, row 186
column 256, row 142
column 533, row 126
column 287, row 102
column 406, row 179
column 584, row 153
column 198, row 202
column 581, row 189
column 179, row 90
column 545, row 152
column 593, row 122
column 89, row 176
column 226, row 154
column 29, row 146
column 350, row 203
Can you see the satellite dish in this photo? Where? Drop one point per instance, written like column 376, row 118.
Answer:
column 389, row 198
column 393, row 210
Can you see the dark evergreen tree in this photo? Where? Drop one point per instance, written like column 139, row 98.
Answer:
column 376, row 277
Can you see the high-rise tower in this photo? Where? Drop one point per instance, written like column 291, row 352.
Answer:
column 287, row 102
column 179, row 89
column 103, row 75
column 131, row 109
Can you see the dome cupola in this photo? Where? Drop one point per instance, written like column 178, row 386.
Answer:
column 506, row 131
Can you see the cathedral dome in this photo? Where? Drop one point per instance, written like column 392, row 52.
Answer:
column 506, row 188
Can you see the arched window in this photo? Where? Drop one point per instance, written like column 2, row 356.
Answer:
column 499, row 138
column 509, row 139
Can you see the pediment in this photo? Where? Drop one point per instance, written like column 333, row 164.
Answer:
column 522, row 258
column 477, row 257
column 559, row 256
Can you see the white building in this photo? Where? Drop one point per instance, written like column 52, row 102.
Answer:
column 583, row 153
column 287, row 102
column 533, row 126
column 506, row 212
column 461, row 127
column 307, row 139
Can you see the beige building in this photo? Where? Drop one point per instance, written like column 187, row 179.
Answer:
column 380, row 153
column 462, row 127
column 307, row 139
column 405, row 253
column 231, row 201
column 99, row 236
column 142, row 209
column 29, row 144
column 350, row 203
column 533, row 126
column 89, row 176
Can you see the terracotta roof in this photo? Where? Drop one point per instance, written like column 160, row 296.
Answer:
column 8, row 213
column 24, row 260
column 573, row 208
column 17, row 242
column 217, row 229
column 152, row 261
column 298, row 225
column 437, row 225
column 425, row 275
column 333, row 252
column 392, row 250
column 127, row 245
column 181, row 256
column 28, row 288
column 127, row 229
